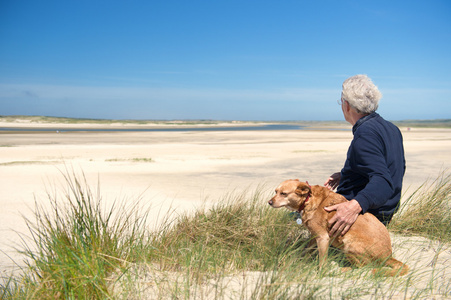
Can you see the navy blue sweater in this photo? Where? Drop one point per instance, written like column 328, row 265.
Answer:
column 374, row 167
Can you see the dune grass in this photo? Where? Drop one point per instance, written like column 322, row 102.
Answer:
column 238, row 249
column 427, row 211
column 76, row 244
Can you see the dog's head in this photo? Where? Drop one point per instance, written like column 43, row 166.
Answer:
column 290, row 194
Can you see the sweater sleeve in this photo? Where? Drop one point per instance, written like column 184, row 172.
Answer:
column 370, row 162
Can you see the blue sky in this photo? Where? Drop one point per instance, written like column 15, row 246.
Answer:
column 225, row 60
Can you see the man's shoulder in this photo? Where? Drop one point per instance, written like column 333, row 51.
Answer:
column 377, row 130
column 369, row 126
column 375, row 124
column 387, row 126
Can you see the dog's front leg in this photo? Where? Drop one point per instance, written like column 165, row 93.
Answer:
column 323, row 247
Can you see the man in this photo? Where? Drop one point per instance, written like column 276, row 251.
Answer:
column 372, row 174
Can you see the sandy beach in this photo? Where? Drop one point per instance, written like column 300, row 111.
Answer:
column 181, row 171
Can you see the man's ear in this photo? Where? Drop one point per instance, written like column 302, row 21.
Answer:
column 303, row 190
column 347, row 107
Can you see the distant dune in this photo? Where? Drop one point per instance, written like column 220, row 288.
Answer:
column 29, row 120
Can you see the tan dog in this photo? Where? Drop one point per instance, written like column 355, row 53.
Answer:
column 366, row 242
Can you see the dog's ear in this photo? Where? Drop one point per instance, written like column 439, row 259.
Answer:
column 303, row 189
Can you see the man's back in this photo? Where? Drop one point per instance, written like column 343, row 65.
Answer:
column 374, row 167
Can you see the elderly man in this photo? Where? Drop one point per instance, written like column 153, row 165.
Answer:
column 372, row 174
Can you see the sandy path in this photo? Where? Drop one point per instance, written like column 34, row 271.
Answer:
column 186, row 168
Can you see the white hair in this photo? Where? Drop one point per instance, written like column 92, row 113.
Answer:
column 361, row 93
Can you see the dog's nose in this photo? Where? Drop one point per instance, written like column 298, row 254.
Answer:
column 270, row 202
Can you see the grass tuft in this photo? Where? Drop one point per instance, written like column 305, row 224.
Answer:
column 427, row 211
column 76, row 246
column 237, row 234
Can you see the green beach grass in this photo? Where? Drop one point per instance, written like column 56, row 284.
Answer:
column 427, row 211
column 238, row 249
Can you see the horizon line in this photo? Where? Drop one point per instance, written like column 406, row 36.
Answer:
column 43, row 117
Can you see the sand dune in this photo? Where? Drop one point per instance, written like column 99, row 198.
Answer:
column 180, row 171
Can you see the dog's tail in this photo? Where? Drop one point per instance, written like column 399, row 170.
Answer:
column 397, row 268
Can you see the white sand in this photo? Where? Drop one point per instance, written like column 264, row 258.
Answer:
column 187, row 168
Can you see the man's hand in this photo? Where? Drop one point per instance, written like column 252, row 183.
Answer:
column 333, row 181
column 346, row 215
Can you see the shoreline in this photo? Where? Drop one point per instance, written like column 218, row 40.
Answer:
column 21, row 124
column 113, row 124
column 217, row 127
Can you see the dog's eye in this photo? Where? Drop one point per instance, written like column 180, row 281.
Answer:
column 283, row 194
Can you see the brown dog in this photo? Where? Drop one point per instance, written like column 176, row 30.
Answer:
column 366, row 242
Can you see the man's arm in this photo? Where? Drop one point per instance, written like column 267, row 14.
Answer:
column 370, row 161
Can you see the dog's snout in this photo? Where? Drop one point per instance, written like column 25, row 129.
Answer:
column 270, row 202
